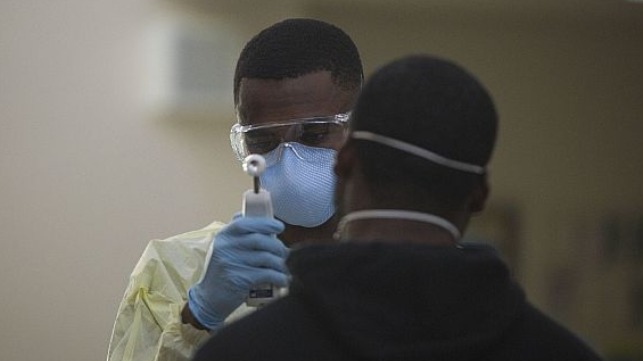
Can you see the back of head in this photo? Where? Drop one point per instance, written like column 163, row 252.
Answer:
column 433, row 104
column 296, row 47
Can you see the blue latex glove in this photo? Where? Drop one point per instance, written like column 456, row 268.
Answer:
column 244, row 254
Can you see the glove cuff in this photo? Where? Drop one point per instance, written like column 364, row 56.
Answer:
column 199, row 310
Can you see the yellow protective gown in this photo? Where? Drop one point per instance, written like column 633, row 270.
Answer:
column 148, row 325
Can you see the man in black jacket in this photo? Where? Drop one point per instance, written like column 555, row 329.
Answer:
column 400, row 285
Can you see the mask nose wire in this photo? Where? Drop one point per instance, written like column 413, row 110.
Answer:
column 294, row 150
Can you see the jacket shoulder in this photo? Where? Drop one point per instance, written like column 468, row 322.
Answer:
column 283, row 330
column 535, row 336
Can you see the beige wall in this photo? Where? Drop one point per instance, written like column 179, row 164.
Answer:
column 87, row 177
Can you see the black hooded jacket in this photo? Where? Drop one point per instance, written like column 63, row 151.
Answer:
column 384, row 301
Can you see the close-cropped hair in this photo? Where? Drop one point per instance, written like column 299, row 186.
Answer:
column 296, row 47
column 431, row 103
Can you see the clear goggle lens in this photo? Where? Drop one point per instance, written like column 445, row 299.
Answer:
column 321, row 132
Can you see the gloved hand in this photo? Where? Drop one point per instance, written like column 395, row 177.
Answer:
column 244, row 254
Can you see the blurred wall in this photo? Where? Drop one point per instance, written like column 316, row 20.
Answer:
column 88, row 175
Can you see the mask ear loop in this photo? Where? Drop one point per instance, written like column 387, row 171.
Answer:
column 398, row 214
column 418, row 151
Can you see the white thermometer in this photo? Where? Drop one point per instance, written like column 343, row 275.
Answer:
column 257, row 203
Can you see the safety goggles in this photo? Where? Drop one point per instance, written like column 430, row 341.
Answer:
column 322, row 132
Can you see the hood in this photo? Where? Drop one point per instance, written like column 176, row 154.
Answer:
column 407, row 301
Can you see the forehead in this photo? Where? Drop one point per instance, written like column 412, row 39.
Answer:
column 267, row 100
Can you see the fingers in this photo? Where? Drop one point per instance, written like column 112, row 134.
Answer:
column 247, row 253
column 258, row 277
column 249, row 243
column 262, row 239
column 263, row 243
column 244, row 225
column 264, row 260
column 248, row 267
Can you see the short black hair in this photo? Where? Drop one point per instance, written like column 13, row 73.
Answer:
column 295, row 47
column 436, row 105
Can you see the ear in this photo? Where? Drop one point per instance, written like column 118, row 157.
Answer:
column 479, row 196
column 345, row 161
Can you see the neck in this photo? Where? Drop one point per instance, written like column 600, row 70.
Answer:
column 389, row 225
column 320, row 234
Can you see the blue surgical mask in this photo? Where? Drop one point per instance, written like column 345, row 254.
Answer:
column 301, row 182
